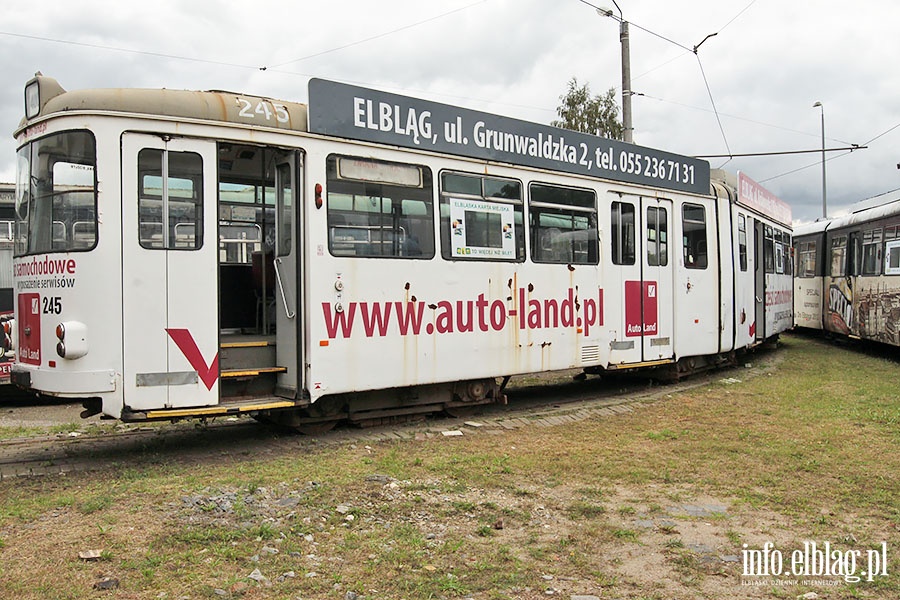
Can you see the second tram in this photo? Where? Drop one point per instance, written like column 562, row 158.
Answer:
column 848, row 274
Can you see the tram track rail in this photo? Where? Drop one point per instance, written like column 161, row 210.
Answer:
column 554, row 400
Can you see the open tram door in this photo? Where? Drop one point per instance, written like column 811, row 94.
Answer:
column 288, row 265
column 170, row 316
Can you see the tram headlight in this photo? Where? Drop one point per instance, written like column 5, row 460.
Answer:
column 72, row 336
column 32, row 99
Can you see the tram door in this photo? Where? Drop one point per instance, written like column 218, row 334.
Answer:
column 169, row 243
column 657, row 313
column 642, row 263
column 288, row 276
column 760, row 284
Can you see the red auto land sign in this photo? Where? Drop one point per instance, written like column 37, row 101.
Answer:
column 29, row 344
column 641, row 308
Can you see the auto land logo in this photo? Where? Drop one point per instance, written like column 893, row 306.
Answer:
column 641, row 308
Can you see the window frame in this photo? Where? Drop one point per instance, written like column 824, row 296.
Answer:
column 357, row 241
column 661, row 235
column 701, row 260
column 623, row 239
column 195, row 202
column 563, row 209
column 484, row 203
column 27, row 197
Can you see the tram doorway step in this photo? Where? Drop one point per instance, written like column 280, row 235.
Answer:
column 247, row 365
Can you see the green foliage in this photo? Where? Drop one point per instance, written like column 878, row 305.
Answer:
column 597, row 115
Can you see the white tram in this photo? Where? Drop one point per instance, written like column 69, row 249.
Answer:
column 194, row 254
column 848, row 273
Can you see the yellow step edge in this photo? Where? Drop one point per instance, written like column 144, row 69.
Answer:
column 252, row 372
column 651, row 363
column 246, row 344
column 208, row 411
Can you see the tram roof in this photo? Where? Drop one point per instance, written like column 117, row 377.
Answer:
column 350, row 112
column 213, row 105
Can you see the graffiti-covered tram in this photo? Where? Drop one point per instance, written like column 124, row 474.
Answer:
column 365, row 255
column 848, row 274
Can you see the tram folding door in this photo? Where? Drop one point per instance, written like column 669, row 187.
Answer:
column 643, row 271
column 656, row 293
column 288, row 264
column 169, row 272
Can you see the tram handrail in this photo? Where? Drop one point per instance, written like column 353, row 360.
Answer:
column 287, row 311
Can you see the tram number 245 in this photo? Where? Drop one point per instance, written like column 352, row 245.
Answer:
column 51, row 305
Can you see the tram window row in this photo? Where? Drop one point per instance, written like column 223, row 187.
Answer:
column 871, row 252
column 383, row 209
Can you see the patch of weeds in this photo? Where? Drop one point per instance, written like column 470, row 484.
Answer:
column 734, row 537
column 674, row 543
column 585, row 510
column 665, row 434
column 591, row 492
column 64, row 428
column 668, row 529
column 625, row 534
column 92, row 505
column 463, row 507
column 626, row 510
column 485, row 531
column 605, row 580
column 265, row 531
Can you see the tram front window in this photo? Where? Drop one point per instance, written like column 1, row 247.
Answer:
column 56, row 194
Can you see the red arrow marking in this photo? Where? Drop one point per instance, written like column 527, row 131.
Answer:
column 185, row 342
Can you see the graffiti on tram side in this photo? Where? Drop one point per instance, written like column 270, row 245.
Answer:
column 878, row 313
column 381, row 319
column 840, row 307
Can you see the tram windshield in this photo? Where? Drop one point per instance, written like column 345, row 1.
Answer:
column 56, row 194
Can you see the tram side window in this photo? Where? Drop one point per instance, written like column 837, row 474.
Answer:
column 56, row 194
column 871, row 251
column 379, row 209
column 694, row 241
column 769, row 249
column 742, row 241
column 838, row 256
column 170, row 209
column 892, row 258
column 623, row 234
column 779, row 251
column 657, row 237
column 481, row 218
column 807, row 256
column 788, row 253
column 563, row 225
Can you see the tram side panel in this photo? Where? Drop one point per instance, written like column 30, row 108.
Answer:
column 382, row 318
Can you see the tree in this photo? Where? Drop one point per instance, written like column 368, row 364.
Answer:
column 597, row 115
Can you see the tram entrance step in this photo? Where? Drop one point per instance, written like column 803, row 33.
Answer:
column 246, row 352
column 247, row 366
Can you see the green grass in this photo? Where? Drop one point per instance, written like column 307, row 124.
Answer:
column 807, row 451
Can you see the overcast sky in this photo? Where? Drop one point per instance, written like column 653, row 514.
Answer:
column 770, row 62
